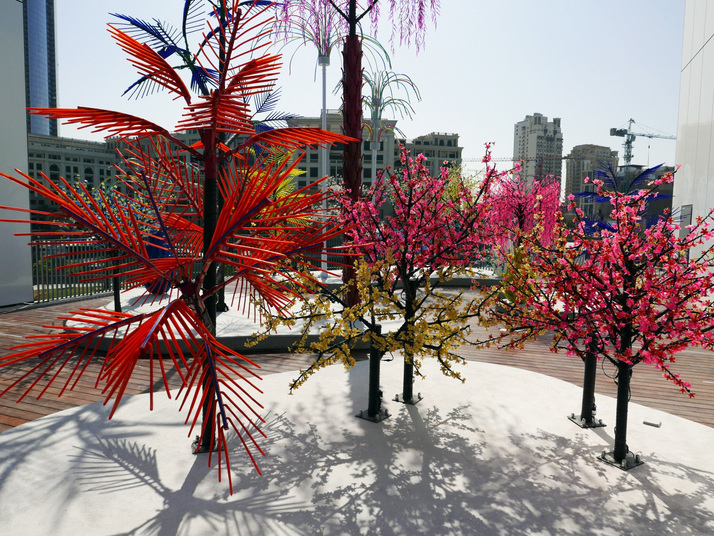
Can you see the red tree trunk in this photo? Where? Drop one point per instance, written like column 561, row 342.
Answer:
column 352, row 126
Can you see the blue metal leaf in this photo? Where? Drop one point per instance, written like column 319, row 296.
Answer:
column 194, row 16
column 202, row 78
column 157, row 35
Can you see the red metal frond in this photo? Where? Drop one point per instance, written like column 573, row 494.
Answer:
column 293, row 138
column 113, row 123
column 64, row 357
column 89, row 225
column 150, row 65
column 226, row 109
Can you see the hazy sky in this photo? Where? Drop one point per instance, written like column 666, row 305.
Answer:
column 487, row 64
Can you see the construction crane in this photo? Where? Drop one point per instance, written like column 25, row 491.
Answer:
column 630, row 137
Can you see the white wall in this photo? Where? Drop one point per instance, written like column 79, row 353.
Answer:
column 15, row 259
column 694, row 183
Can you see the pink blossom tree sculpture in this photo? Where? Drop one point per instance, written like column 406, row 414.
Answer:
column 517, row 206
column 628, row 294
column 409, row 21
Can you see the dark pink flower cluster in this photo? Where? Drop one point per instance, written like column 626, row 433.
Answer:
column 640, row 294
column 417, row 223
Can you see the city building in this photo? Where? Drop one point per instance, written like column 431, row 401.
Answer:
column 440, row 148
column 694, row 185
column 538, row 146
column 312, row 165
column 16, row 265
column 666, row 191
column 90, row 162
column 40, row 63
column 581, row 163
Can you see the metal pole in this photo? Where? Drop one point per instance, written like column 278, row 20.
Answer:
column 324, row 61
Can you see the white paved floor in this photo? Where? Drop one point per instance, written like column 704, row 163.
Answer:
column 495, row 455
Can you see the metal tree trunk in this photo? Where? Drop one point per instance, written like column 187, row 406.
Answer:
column 210, row 204
column 624, row 372
column 410, row 290
column 352, row 126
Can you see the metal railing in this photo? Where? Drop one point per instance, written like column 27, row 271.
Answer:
column 54, row 279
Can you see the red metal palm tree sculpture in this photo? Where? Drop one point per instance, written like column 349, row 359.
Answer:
column 174, row 204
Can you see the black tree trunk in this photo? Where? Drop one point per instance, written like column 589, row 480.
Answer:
column 624, row 372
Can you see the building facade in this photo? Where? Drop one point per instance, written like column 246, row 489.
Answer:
column 16, row 265
column 538, row 147
column 312, row 163
column 89, row 162
column 694, row 184
column 40, row 63
column 581, row 163
column 440, row 148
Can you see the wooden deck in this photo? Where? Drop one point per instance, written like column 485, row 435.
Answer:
column 648, row 387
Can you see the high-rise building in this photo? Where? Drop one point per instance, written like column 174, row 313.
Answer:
column 40, row 63
column 694, row 183
column 582, row 162
column 538, row 146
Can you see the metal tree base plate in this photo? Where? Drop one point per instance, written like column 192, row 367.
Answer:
column 195, row 449
column 629, row 461
column 413, row 401
column 582, row 423
column 364, row 414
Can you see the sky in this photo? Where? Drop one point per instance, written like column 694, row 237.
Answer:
column 484, row 67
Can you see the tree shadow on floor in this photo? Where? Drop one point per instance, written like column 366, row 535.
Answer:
column 432, row 468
